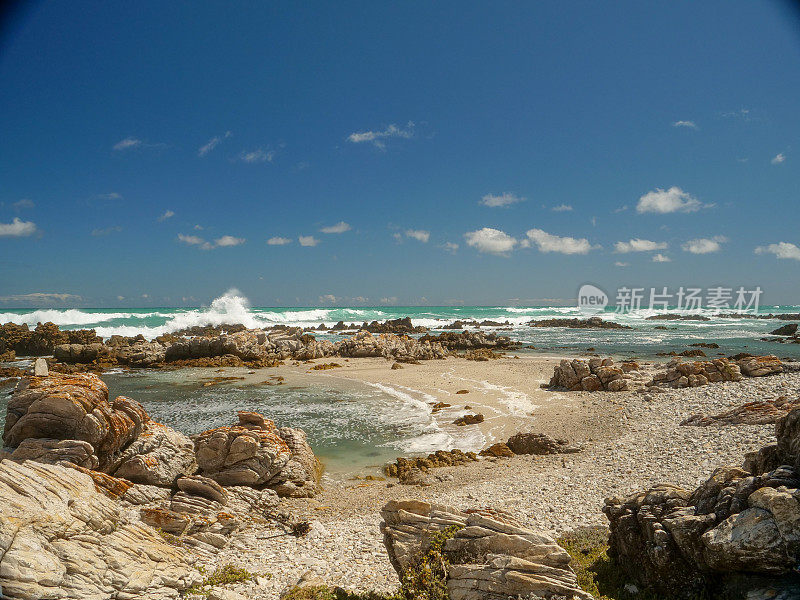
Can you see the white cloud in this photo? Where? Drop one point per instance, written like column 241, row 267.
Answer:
column 257, row 156
column 778, row 159
column 547, row 242
column 212, row 143
column 106, row 231
column 227, row 241
column 660, row 258
column 18, row 228
column 451, row 247
column 377, row 138
column 221, row 242
column 668, row 201
column 327, row 298
column 340, row 227
column 120, row 298
column 742, row 113
column 40, row 297
column 389, row 300
column 127, row 144
column 307, row 240
column 639, row 245
column 109, row 196
column 22, row 204
column 278, row 241
column 419, row 234
column 781, row 250
column 191, row 240
column 621, row 209
column 705, row 245
column 562, row 208
column 504, row 199
column 491, row 241
column 619, row 263
column 689, row 124
column 167, row 215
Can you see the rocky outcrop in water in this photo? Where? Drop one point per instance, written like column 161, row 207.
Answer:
column 590, row 323
column 390, row 346
column 490, row 556
column 471, row 340
column 402, row 326
column 738, row 533
column 42, row 340
column 593, row 375
column 60, row 537
column 256, row 453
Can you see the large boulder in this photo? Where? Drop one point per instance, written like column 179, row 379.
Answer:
column 72, row 407
column 61, row 538
column 760, row 366
column 157, row 457
column 256, row 453
column 738, row 533
column 387, row 345
column 679, row 374
column 593, row 375
column 491, row 556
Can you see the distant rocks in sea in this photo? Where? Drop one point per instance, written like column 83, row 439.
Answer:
column 677, row 317
column 590, row 323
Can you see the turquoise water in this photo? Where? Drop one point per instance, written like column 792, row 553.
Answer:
column 354, row 426
column 733, row 335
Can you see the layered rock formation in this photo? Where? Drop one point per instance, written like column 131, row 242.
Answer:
column 738, row 533
column 539, row 443
column 62, row 538
column 490, row 556
column 68, row 418
column 696, row 373
column 401, row 348
column 592, row 375
column 256, row 453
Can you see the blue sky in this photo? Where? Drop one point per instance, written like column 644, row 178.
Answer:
column 149, row 151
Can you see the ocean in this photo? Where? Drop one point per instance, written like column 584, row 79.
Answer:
column 355, row 426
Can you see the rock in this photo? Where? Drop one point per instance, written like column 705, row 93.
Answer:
column 403, row 467
column 594, row 375
column 760, row 366
column 40, row 368
column 300, row 477
column 223, row 594
column 498, row 450
column 539, row 443
column 738, row 530
column 43, row 339
column 72, row 407
column 256, row 453
column 789, row 329
column 469, row 420
column 55, row 452
column 61, row 538
column 590, row 323
column 159, row 456
column 471, row 340
column 197, row 485
column 760, row 412
column 390, row 346
column 678, row 374
column 402, row 325
column 491, row 556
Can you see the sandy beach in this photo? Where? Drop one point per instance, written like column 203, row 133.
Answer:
column 630, row 441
